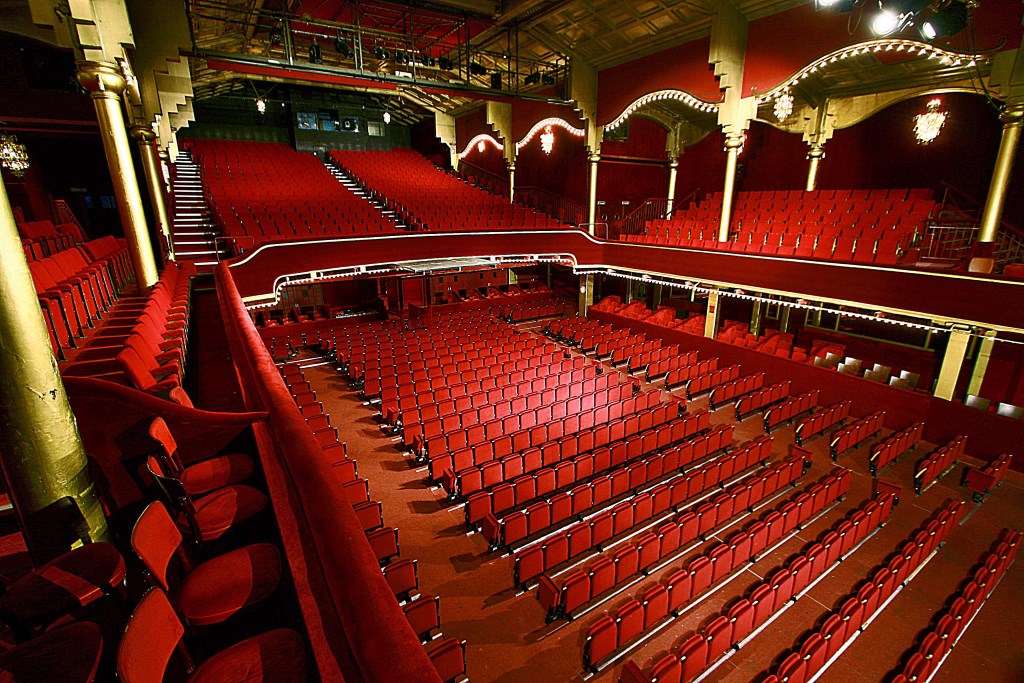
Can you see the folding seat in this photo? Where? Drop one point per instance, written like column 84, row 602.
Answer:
column 503, row 498
column 932, row 648
column 539, row 517
column 762, row 600
column 602, row 527
column 852, row 614
column 401, row 576
column 620, row 482
column 689, row 527
column 668, row 535
column 601, row 641
column 741, row 618
column 917, row 668
column 514, row 528
column 847, row 536
column 532, row 460
column 700, row 570
column 792, row 669
column 529, row 564
column 602, row 490
column 559, row 510
column 602, row 576
column 783, row 584
column 629, row 621
column 693, row 655
column 718, row 633
column 423, row 615
column 627, row 562
column 556, row 551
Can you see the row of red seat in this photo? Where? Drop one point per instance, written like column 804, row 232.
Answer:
column 703, row 383
column 557, row 467
column 430, row 400
column 790, row 409
column 567, row 437
column 409, row 394
column 761, row 399
column 679, row 376
column 745, row 616
column 949, row 624
column 837, row 627
column 459, row 448
column 727, row 391
column 984, row 480
column 894, row 446
column 659, row 368
column 40, row 239
column 855, row 433
column 583, row 585
column 534, row 311
column 941, row 460
column 592, row 533
column 623, row 470
column 821, row 420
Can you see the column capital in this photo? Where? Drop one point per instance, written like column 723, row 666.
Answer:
column 1012, row 113
column 140, row 132
column 673, row 162
column 734, row 141
column 512, row 167
column 816, row 151
column 103, row 80
column 594, row 157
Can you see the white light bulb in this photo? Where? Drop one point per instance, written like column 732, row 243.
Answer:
column 885, row 23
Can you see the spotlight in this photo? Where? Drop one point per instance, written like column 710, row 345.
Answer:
column 445, row 64
column 316, row 55
column 837, row 6
column 885, row 22
column 496, row 80
column 341, row 47
column 949, row 21
column 380, row 53
column 276, row 35
column 548, row 79
column 895, row 15
column 401, row 59
column 532, row 79
column 427, row 60
column 477, row 70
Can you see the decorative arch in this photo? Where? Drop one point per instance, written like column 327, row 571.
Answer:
column 481, row 139
column 543, row 124
column 680, row 96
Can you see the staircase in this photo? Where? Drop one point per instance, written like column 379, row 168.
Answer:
column 193, row 234
column 357, row 189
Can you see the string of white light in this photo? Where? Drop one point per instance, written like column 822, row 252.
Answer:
column 659, row 95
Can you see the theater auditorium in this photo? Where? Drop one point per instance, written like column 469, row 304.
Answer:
column 511, row 341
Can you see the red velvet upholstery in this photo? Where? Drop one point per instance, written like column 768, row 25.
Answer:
column 216, row 589
column 205, row 475
column 276, row 656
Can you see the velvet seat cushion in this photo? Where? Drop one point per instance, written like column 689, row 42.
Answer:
column 220, row 587
column 217, row 512
column 277, row 656
column 215, row 473
column 69, row 654
column 61, row 586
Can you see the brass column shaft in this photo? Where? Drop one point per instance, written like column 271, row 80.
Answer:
column 154, row 183
column 732, row 150
column 592, row 187
column 997, row 188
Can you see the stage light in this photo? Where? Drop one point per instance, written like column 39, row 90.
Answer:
column 380, row 53
column 532, row 79
column 276, row 35
column 316, row 55
column 341, row 47
column 548, row 79
column 427, row 60
column 885, row 22
column 477, row 70
column 445, row 64
column 949, row 21
column 895, row 15
column 837, row 6
column 401, row 58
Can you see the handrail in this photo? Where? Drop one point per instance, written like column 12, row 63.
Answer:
column 652, row 209
column 565, row 209
column 499, row 185
column 350, row 611
column 976, row 205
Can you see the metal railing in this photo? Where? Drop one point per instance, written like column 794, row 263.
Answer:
column 484, row 179
column 652, row 209
column 566, row 210
column 952, row 242
column 64, row 214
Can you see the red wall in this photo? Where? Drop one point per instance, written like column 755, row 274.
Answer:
column 563, row 172
column 684, row 67
column 630, row 178
column 526, row 113
column 702, row 167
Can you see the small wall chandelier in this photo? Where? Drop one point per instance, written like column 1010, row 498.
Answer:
column 927, row 126
column 13, row 154
column 783, row 106
column 547, row 140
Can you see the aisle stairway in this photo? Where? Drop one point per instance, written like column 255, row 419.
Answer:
column 358, row 190
column 193, row 233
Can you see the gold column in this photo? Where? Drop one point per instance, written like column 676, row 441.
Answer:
column 586, row 293
column 952, row 361
column 981, row 362
column 733, row 143
column 592, row 199
column 41, row 451
column 511, row 183
column 105, row 85
column 658, row 294
column 755, row 319
column 993, row 213
column 784, row 319
column 673, row 170
column 146, row 140
column 814, row 156
column 711, row 319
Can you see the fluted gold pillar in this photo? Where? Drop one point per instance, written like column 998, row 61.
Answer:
column 711, row 318
column 992, row 215
column 105, row 84
column 673, row 171
column 586, row 293
column 146, row 139
column 733, row 144
column 952, row 361
column 41, row 451
column 592, row 162
column 814, row 157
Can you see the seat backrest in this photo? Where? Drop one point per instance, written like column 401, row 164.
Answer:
column 150, row 638
column 135, row 368
column 174, row 494
column 155, row 539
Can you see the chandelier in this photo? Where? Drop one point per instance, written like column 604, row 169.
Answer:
column 13, row 154
column 783, row 106
column 927, row 126
column 547, row 140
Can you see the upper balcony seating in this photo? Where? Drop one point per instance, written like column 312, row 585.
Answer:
column 427, row 198
column 42, row 238
column 866, row 226
column 263, row 192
